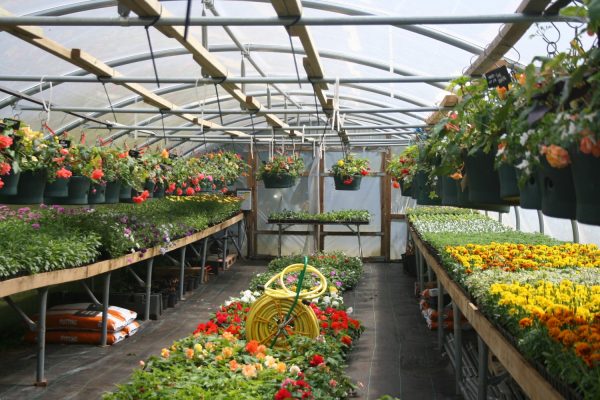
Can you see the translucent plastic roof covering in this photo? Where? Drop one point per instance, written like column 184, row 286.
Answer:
column 346, row 52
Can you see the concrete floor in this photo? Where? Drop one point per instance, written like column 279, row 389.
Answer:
column 396, row 355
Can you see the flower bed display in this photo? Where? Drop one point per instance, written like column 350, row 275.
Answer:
column 542, row 293
column 217, row 362
column 342, row 216
column 51, row 238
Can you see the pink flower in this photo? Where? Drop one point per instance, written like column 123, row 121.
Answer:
column 97, row 174
column 4, row 168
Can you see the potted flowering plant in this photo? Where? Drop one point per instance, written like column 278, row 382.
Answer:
column 402, row 169
column 9, row 167
column 157, row 165
column 281, row 171
column 348, row 172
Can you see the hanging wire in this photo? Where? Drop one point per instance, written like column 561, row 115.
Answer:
column 162, row 121
column 219, row 99
column 112, row 110
column 152, row 53
column 45, row 105
column 287, row 28
column 188, row 13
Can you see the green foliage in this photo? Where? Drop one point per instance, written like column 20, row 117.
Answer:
column 292, row 164
column 331, row 216
column 350, row 166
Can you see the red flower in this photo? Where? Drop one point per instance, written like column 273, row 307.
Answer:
column 189, row 191
column 64, row 151
column 179, row 192
column 5, row 142
column 252, row 346
column 224, row 190
column 124, row 154
column 97, row 174
column 364, row 172
column 138, row 199
column 145, row 194
column 283, row 394
column 4, row 168
column 317, row 359
column 63, row 173
column 348, row 181
column 1, row 183
column 396, row 184
column 222, row 317
column 347, row 340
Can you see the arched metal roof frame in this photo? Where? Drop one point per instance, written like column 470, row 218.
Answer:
column 120, row 132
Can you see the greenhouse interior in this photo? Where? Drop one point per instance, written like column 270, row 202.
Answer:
column 287, row 199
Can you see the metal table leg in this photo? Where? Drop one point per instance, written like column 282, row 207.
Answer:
column 182, row 272
column 40, row 379
column 203, row 260
column 359, row 243
column 240, row 242
column 279, row 240
column 105, row 305
column 420, row 262
column 440, row 320
column 225, row 243
column 482, row 374
column 457, row 348
column 149, row 265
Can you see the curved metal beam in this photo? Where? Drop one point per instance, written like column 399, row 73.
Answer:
column 226, row 48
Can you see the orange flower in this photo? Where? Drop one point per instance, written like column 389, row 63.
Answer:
column 396, row 185
column 252, row 347
column 522, row 79
column 189, row 353
column 227, row 352
column 586, row 145
column 556, row 156
column 233, row 365
column 249, row 371
column 501, row 91
column 456, row 176
column 525, row 322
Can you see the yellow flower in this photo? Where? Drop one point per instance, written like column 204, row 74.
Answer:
column 227, row 352
column 165, row 353
column 340, row 163
column 198, row 347
column 281, row 367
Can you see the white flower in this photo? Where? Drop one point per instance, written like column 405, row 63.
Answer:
column 335, row 303
column 349, row 311
column 294, row 370
column 524, row 137
column 522, row 165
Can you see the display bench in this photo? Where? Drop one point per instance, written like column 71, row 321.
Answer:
column 284, row 224
column 489, row 338
column 43, row 281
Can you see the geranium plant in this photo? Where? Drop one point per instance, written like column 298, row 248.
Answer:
column 282, row 164
column 349, row 167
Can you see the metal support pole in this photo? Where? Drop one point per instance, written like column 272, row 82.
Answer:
column 40, row 379
column 149, row 265
column 316, row 237
column 500, row 217
column 421, row 273
column 429, row 273
column 482, row 374
column 440, row 320
column 575, row 228
column 105, row 305
column 225, row 243
column 280, row 230
column 32, row 326
column 203, row 260
column 359, row 242
column 90, row 293
column 182, row 272
column 541, row 220
column 517, row 218
column 137, row 278
column 240, row 242
column 457, row 347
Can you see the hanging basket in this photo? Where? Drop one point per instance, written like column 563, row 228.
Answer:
column 58, row 188
column 340, row 183
column 113, row 190
column 531, row 193
column 449, row 192
column 463, row 201
column 484, row 184
column 149, row 186
column 79, row 189
column 97, row 193
column 11, row 181
column 405, row 190
column 509, row 189
column 558, row 191
column 159, row 191
column 423, row 190
column 30, row 189
column 586, row 179
column 125, row 193
column 278, row 181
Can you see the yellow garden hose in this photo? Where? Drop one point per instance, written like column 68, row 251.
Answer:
column 277, row 313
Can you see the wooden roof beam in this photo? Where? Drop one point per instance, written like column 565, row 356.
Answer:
column 209, row 63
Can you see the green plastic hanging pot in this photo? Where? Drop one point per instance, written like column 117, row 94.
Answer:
column 558, row 191
column 531, row 192
column 463, row 201
column 149, row 186
column 423, row 190
column 58, row 188
column 449, row 192
column 405, row 189
column 159, row 191
column 343, row 184
column 509, row 189
column 113, row 190
column 97, row 193
column 11, row 181
column 585, row 169
column 484, row 184
column 278, row 181
column 125, row 193
column 79, row 189
column 30, row 189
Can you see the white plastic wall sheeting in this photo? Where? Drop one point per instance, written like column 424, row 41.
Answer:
column 371, row 245
column 398, row 239
column 290, row 244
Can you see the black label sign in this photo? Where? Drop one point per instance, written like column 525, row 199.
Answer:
column 134, row 154
column 64, row 143
column 499, row 77
column 12, row 123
